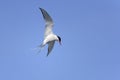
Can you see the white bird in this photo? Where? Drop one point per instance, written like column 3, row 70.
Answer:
column 49, row 36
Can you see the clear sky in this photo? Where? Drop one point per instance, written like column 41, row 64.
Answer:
column 90, row 32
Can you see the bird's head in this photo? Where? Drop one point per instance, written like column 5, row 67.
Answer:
column 59, row 40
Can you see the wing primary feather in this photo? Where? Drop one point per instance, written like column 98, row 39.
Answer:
column 48, row 21
column 50, row 47
column 46, row 16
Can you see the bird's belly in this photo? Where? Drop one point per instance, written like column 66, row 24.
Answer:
column 50, row 38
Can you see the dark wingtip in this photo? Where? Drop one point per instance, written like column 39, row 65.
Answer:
column 47, row 54
column 40, row 8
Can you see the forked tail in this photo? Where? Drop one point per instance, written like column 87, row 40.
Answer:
column 39, row 48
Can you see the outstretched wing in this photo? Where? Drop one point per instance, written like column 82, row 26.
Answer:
column 49, row 22
column 50, row 47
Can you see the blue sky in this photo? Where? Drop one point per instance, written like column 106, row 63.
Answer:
column 90, row 32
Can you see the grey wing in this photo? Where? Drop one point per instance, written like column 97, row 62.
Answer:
column 50, row 47
column 49, row 22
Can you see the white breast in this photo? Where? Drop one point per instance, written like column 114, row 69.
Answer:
column 49, row 38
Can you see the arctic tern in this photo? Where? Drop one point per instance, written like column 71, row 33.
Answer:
column 49, row 36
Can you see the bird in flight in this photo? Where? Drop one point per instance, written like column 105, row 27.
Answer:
column 49, row 36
